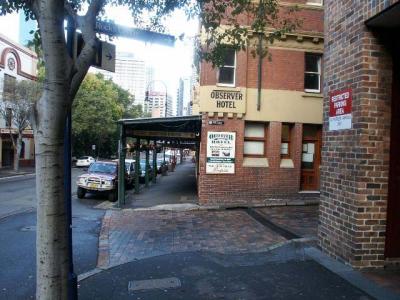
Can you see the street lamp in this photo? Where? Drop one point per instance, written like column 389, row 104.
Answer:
column 166, row 94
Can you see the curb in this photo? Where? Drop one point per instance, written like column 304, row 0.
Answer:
column 101, row 268
column 17, row 212
column 17, row 176
column 350, row 275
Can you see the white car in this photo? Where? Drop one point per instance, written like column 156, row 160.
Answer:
column 85, row 161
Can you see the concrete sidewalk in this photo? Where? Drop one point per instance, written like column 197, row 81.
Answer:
column 178, row 187
column 10, row 172
column 263, row 253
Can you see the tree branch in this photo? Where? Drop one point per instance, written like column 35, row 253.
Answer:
column 83, row 62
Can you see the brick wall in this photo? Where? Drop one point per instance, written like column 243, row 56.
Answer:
column 355, row 162
column 251, row 185
column 285, row 71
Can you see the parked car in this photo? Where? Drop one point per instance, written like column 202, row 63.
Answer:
column 85, row 161
column 130, row 172
column 102, row 176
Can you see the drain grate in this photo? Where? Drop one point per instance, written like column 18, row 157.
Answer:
column 152, row 284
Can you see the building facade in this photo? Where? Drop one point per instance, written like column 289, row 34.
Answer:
column 274, row 132
column 16, row 63
column 360, row 175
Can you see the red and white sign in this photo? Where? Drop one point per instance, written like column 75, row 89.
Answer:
column 340, row 110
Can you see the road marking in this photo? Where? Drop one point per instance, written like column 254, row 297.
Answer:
column 152, row 284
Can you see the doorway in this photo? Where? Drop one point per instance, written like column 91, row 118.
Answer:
column 311, row 157
column 392, row 247
column 7, row 154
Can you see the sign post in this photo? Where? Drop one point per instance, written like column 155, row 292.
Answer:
column 340, row 110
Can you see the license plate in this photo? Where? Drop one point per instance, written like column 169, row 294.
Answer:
column 93, row 185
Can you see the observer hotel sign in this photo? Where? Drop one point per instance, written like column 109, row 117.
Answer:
column 232, row 100
column 220, row 152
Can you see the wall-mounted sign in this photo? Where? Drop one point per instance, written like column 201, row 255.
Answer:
column 220, row 152
column 340, row 110
column 216, row 122
column 232, row 100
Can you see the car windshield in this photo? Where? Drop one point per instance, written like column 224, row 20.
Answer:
column 103, row 168
column 84, row 157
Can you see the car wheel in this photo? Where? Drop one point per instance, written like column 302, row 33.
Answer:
column 81, row 193
column 113, row 196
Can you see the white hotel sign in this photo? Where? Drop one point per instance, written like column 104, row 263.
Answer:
column 220, row 152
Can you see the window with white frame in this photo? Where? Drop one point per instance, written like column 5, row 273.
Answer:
column 315, row 2
column 312, row 74
column 254, row 139
column 226, row 73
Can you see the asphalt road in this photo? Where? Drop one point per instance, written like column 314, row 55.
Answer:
column 18, row 235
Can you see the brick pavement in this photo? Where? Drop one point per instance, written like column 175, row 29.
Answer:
column 129, row 235
column 301, row 220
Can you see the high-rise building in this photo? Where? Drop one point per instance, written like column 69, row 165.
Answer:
column 155, row 104
column 130, row 74
column 184, row 96
column 179, row 99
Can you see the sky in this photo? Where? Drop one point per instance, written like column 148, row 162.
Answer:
column 170, row 63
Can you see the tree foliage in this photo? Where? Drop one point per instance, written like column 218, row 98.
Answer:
column 98, row 105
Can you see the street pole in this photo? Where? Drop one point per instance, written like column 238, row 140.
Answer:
column 154, row 179
column 146, row 178
column 72, row 278
column 121, row 166
column 137, row 166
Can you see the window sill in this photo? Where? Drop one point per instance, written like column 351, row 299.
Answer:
column 312, row 95
column 226, row 85
column 287, row 163
column 255, row 162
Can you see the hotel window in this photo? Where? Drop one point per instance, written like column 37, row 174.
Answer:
column 254, row 140
column 285, row 140
column 312, row 76
column 226, row 73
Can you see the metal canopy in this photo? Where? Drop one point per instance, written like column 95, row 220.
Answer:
column 183, row 129
column 389, row 18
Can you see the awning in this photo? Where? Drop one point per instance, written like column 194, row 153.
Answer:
column 389, row 18
column 184, row 129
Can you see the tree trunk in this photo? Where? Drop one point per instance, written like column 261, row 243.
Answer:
column 52, row 252
column 18, row 152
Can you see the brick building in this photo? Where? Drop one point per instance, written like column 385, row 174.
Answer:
column 360, row 186
column 274, row 144
column 16, row 63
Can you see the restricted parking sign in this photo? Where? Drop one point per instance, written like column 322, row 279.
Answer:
column 340, row 110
